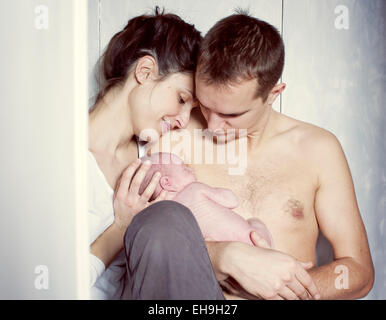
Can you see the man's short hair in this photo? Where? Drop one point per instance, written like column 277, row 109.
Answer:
column 241, row 47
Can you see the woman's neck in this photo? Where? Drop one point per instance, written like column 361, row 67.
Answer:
column 110, row 127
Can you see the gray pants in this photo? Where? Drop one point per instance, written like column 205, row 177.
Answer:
column 166, row 256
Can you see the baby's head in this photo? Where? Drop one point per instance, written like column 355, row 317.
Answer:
column 175, row 175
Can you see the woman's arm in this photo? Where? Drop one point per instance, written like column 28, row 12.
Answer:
column 108, row 244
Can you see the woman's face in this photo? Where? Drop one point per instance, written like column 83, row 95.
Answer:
column 162, row 105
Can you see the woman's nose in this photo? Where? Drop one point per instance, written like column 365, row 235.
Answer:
column 182, row 119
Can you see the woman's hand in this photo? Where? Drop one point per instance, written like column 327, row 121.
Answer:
column 127, row 203
column 127, row 200
column 262, row 272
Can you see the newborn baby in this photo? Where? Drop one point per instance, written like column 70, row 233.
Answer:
column 212, row 207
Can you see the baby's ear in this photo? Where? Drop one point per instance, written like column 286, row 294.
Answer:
column 166, row 183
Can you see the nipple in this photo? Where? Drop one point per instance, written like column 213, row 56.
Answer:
column 295, row 208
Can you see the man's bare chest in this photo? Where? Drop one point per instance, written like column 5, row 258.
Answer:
column 273, row 190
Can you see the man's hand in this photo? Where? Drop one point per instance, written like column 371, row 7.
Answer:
column 264, row 273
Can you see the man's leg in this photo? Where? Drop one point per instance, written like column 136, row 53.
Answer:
column 166, row 256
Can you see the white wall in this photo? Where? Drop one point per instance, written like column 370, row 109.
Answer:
column 40, row 178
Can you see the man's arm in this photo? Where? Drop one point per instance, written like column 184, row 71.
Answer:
column 351, row 274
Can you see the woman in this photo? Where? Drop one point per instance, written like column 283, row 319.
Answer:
column 148, row 70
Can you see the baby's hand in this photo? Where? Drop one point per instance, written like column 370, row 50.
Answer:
column 260, row 236
column 259, row 241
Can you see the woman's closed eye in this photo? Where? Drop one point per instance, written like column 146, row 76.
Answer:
column 181, row 100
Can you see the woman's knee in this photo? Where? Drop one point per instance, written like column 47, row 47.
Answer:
column 164, row 221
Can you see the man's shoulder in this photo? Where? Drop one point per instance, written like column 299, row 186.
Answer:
column 308, row 135
column 312, row 141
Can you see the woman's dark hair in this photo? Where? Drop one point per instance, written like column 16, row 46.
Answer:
column 172, row 42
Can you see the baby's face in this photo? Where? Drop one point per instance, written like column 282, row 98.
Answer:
column 179, row 174
column 175, row 175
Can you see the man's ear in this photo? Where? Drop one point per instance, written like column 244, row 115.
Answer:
column 166, row 183
column 146, row 69
column 276, row 90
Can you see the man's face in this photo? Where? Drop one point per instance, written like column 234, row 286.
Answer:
column 230, row 107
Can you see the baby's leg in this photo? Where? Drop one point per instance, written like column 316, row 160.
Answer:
column 261, row 230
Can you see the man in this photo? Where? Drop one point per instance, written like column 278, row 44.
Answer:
column 297, row 179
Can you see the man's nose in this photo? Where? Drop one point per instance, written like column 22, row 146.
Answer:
column 215, row 122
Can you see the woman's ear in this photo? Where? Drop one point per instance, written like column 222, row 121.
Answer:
column 166, row 183
column 146, row 69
